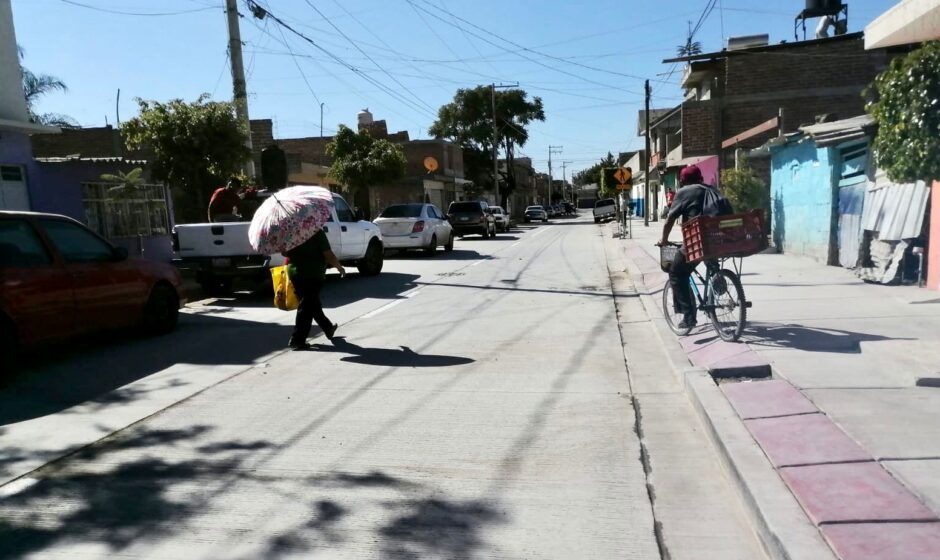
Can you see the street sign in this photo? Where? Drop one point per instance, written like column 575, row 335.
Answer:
column 622, row 175
column 624, row 187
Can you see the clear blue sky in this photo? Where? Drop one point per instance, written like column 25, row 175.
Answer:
column 416, row 52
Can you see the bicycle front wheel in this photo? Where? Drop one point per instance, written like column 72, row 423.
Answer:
column 729, row 308
column 673, row 318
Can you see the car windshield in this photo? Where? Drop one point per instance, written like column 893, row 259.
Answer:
column 465, row 207
column 604, row 202
column 533, row 208
column 402, row 211
column 497, row 209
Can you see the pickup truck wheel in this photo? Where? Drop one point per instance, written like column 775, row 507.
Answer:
column 162, row 310
column 371, row 263
column 432, row 248
column 450, row 244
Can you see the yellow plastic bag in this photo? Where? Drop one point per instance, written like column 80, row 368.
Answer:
column 285, row 298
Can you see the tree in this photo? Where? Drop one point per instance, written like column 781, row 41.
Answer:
column 37, row 85
column 360, row 161
column 124, row 183
column 468, row 121
column 744, row 190
column 592, row 175
column 193, row 145
column 907, row 109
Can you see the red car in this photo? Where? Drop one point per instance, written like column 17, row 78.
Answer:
column 59, row 279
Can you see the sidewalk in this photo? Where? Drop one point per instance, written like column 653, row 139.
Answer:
column 855, row 354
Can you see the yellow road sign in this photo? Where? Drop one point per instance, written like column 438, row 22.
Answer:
column 622, row 175
column 624, row 187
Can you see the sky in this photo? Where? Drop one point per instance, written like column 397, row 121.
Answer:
column 401, row 59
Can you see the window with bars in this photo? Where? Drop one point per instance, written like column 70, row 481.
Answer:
column 126, row 212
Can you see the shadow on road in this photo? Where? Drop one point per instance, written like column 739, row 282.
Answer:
column 455, row 255
column 388, row 357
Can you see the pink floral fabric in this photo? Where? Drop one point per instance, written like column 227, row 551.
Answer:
column 288, row 218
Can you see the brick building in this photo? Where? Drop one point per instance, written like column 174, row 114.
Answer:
column 730, row 92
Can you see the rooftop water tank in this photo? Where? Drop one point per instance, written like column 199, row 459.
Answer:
column 364, row 117
column 824, row 7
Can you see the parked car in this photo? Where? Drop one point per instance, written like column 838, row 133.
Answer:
column 218, row 253
column 501, row 217
column 535, row 213
column 415, row 226
column 605, row 209
column 468, row 218
column 59, row 280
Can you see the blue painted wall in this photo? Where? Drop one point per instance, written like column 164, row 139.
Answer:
column 803, row 199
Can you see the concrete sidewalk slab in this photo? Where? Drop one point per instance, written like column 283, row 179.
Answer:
column 806, row 439
column 853, row 492
column 766, row 399
column 921, row 476
column 884, row 541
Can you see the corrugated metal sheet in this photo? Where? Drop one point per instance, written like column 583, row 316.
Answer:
column 840, row 132
column 895, row 211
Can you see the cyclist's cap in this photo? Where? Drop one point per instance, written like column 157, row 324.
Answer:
column 690, row 175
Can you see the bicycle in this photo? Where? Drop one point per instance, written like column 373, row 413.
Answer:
column 721, row 296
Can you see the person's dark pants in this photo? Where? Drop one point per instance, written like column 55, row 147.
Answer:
column 679, row 277
column 310, row 309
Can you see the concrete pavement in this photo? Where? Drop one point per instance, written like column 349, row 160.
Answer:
column 859, row 360
column 479, row 408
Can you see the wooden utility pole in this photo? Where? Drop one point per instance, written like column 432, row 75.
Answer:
column 239, row 86
column 646, row 200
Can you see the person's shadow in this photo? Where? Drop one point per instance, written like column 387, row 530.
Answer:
column 388, row 357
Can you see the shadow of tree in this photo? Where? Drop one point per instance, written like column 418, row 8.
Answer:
column 389, row 357
column 438, row 528
column 809, row 339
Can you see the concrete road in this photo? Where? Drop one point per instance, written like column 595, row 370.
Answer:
column 477, row 405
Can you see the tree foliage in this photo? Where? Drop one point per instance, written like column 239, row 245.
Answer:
column 468, row 121
column 360, row 160
column 124, row 183
column 744, row 189
column 194, row 146
column 36, row 86
column 907, row 109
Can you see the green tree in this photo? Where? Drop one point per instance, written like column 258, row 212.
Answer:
column 907, row 109
column 124, row 183
column 194, row 146
column 360, row 161
column 468, row 121
column 744, row 190
column 37, row 85
column 592, row 175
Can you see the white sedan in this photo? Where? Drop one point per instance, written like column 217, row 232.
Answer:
column 415, row 226
column 502, row 218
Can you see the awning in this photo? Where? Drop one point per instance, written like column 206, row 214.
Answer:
column 911, row 21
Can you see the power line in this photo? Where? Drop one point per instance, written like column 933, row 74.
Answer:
column 297, row 64
column 151, row 14
column 358, row 48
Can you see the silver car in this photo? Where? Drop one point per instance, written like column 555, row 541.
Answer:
column 415, row 226
column 502, row 218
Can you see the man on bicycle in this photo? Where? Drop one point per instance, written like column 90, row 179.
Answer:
column 688, row 203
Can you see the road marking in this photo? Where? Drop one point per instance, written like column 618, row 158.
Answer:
column 515, row 244
column 481, row 261
column 541, row 231
column 382, row 309
column 17, row 486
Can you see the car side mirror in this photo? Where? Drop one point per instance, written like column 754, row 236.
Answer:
column 119, row 253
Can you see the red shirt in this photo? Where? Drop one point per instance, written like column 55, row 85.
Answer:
column 223, row 201
column 669, row 196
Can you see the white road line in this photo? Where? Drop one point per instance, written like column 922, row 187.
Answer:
column 515, row 244
column 17, row 486
column 540, row 231
column 382, row 309
column 481, row 261
column 412, row 293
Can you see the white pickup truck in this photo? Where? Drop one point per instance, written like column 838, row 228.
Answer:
column 604, row 209
column 218, row 253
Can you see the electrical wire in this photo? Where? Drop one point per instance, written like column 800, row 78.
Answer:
column 149, row 14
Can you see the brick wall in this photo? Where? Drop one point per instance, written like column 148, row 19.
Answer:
column 102, row 141
column 699, row 128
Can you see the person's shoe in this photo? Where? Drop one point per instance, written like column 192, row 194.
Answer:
column 687, row 323
column 329, row 333
column 303, row 345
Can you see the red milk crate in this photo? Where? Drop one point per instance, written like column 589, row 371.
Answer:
column 735, row 235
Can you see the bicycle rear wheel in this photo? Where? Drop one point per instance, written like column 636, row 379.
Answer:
column 673, row 318
column 729, row 311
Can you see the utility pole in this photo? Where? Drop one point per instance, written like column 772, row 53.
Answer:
column 646, row 200
column 238, row 78
column 564, row 178
column 551, row 150
column 493, row 87
column 321, row 120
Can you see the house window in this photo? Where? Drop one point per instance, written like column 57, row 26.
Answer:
column 139, row 211
column 854, row 168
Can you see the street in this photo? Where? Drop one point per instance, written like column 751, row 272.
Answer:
column 475, row 404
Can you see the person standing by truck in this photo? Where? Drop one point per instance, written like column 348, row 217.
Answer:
column 225, row 204
column 306, row 267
